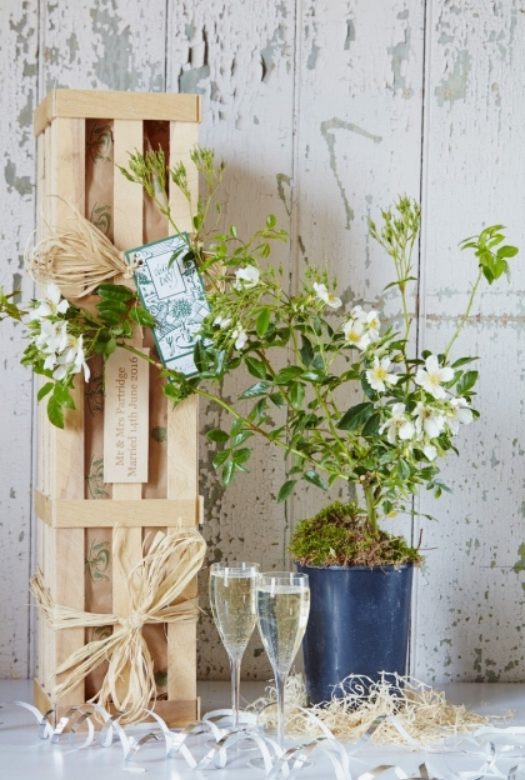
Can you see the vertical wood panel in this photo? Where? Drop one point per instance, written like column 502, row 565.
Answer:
column 18, row 52
column 471, row 615
column 240, row 57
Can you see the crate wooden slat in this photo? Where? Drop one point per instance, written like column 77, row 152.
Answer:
column 71, row 501
column 142, row 106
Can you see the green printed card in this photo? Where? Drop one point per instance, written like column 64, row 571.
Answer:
column 171, row 289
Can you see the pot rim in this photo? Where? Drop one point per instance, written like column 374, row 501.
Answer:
column 334, row 567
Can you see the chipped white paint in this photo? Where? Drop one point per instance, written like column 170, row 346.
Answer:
column 319, row 110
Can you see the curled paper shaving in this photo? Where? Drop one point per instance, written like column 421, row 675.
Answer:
column 387, row 710
column 156, row 586
column 77, row 257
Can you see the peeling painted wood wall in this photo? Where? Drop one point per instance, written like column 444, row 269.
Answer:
column 323, row 110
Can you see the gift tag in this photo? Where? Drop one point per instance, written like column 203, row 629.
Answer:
column 171, row 289
column 126, row 417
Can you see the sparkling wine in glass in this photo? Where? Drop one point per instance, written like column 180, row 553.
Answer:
column 283, row 604
column 232, row 599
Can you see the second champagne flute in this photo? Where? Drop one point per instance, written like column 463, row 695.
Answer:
column 283, row 605
column 232, row 599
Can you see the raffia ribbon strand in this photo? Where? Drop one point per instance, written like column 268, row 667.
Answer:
column 77, row 257
column 156, row 586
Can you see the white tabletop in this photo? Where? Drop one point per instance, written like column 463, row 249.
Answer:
column 23, row 756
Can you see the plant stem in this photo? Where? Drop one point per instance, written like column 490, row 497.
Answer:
column 466, row 314
column 371, row 509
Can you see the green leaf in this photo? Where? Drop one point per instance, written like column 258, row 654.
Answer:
column 142, row 317
column 286, row 490
column 463, row 361
column 228, row 472
column 44, row 390
column 221, row 437
column 241, row 456
column 507, row 251
column 467, row 382
column 288, row 374
column 277, row 399
column 259, row 388
column 307, row 351
column 313, row 477
column 241, row 437
column 271, row 221
column 371, row 427
column 403, row 469
column 263, row 321
column 55, row 411
column 256, row 367
column 220, row 458
column 356, row 416
column 297, row 395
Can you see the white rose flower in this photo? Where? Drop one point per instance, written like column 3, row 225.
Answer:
column 459, row 412
column 51, row 306
column 72, row 360
column 358, row 313
column 430, row 451
column 399, row 425
column 432, row 377
column 429, row 421
column 51, row 339
column 373, row 324
column 324, row 295
column 222, row 322
column 239, row 334
column 378, row 377
column 355, row 334
column 246, row 277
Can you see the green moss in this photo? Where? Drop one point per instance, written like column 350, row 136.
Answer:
column 340, row 536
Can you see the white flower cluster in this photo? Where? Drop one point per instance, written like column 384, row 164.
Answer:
column 362, row 328
column 245, row 278
column 427, row 421
column 63, row 353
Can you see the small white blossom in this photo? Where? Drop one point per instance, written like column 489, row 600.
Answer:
column 51, row 339
column 430, row 451
column 373, row 324
column 324, row 294
column 399, row 425
column 72, row 360
column 222, row 322
column 246, row 277
column 362, row 329
column 459, row 412
column 355, row 334
column 51, row 306
column 378, row 377
column 239, row 334
column 359, row 314
column 432, row 377
column 429, row 421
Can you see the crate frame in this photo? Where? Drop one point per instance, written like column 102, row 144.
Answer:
column 63, row 512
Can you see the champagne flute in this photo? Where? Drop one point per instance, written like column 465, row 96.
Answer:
column 283, row 604
column 232, row 599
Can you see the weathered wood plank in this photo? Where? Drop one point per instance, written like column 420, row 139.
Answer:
column 18, row 52
column 471, row 614
column 358, row 145
column 245, row 73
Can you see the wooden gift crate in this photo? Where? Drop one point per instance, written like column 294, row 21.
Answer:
column 78, row 131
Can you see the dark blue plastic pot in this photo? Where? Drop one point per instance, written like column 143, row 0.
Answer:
column 359, row 624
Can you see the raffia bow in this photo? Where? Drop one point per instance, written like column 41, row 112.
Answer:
column 156, row 586
column 78, row 257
